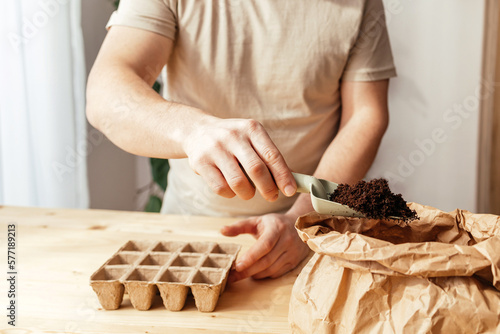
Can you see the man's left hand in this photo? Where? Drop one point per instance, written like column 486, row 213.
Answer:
column 278, row 248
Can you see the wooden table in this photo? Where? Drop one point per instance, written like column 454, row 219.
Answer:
column 58, row 249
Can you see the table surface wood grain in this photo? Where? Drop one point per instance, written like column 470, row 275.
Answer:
column 58, row 249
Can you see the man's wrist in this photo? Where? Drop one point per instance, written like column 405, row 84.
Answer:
column 301, row 206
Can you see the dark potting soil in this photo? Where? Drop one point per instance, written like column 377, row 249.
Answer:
column 374, row 199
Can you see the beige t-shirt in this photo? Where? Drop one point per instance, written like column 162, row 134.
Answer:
column 277, row 61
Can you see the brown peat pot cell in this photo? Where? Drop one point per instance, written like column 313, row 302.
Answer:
column 169, row 246
column 374, row 199
column 216, row 261
column 124, row 258
column 172, row 268
column 156, row 259
column 230, row 249
column 186, row 260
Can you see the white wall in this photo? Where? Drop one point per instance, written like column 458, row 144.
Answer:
column 430, row 151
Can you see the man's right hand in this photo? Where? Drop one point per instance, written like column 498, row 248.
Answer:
column 225, row 151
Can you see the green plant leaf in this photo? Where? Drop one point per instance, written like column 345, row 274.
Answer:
column 157, row 87
column 116, row 3
column 159, row 169
column 154, row 204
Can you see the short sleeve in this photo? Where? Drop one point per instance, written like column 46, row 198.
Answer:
column 156, row 16
column 370, row 58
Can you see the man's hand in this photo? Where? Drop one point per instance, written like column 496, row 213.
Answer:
column 278, row 248
column 227, row 151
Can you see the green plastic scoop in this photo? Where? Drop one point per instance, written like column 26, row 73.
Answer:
column 319, row 190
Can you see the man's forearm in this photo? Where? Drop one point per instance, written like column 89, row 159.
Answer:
column 351, row 154
column 364, row 120
column 134, row 117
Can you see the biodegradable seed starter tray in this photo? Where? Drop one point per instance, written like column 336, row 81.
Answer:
column 142, row 268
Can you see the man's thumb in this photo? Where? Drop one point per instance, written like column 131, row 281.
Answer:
column 243, row 226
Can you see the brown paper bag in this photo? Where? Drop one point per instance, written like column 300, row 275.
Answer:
column 440, row 274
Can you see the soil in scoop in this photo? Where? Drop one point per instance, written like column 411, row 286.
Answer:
column 374, row 199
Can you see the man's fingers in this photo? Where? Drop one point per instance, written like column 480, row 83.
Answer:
column 262, row 246
column 277, row 250
column 235, row 276
column 274, row 161
column 258, row 172
column 262, row 264
column 243, row 226
column 225, row 144
column 216, row 181
column 236, row 178
column 226, row 178
column 283, row 270
column 280, row 267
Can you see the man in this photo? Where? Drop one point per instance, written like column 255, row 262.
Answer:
column 256, row 88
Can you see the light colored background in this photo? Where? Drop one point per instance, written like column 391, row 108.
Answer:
column 115, row 176
column 437, row 47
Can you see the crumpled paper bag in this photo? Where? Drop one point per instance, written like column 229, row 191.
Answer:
column 440, row 274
